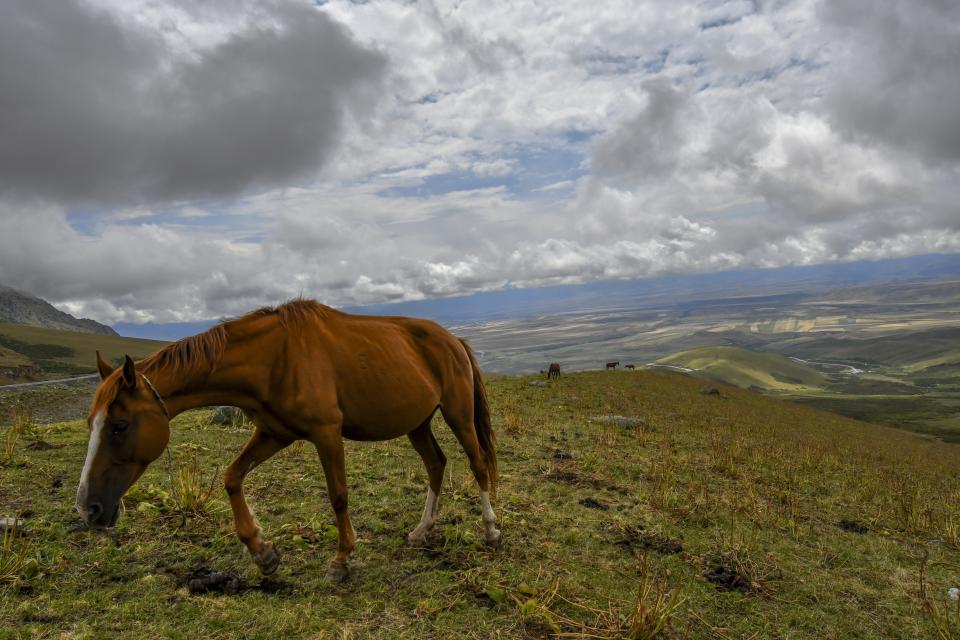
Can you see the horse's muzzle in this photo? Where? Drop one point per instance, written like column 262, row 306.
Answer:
column 96, row 517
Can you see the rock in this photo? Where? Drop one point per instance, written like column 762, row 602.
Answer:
column 710, row 391
column 12, row 524
column 226, row 416
column 628, row 422
column 538, row 383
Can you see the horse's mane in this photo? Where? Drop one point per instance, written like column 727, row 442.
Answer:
column 200, row 354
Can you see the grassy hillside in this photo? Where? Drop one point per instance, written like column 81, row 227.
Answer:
column 10, row 358
column 69, row 352
column 745, row 368
column 902, row 348
column 756, row 518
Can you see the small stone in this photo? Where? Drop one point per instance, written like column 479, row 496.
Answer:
column 538, row 383
column 710, row 391
column 12, row 524
column 226, row 416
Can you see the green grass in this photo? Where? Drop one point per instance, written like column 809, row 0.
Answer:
column 746, row 368
column 10, row 358
column 69, row 352
column 752, row 484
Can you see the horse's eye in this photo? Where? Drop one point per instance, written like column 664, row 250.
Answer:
column 118, row 427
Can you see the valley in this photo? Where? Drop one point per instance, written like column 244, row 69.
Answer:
column 886, row 353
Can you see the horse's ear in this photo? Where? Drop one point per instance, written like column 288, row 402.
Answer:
column 102, row 366
column 129, row 373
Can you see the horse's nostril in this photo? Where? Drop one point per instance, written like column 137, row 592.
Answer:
column 94, row 509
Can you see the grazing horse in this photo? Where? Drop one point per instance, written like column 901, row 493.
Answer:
column 613, row 365
column 629, row 366
column 554, row 370
column 300, row 371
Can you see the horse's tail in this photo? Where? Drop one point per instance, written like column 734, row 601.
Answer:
column 481, row 419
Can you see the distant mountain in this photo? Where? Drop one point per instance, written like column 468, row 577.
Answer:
column 630, row 295
column 655, row 292
column 17, row 307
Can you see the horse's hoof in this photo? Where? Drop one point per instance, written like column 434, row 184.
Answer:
column 338, row 571
column 417, row 540
column 268, row 559
column 494, row 539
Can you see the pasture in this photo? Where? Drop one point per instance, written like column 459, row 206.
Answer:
column 697, row 516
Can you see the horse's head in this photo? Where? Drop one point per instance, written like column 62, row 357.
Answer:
column 129, row 428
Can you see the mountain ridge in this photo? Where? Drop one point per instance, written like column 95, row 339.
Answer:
column 18, row 307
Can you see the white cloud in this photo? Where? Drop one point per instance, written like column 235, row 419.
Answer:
column 485, row 145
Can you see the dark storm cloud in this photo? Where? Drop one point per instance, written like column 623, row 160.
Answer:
column 98, row 110
column 898, row 76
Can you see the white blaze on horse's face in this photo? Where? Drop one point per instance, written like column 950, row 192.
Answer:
column 129, row 429
column 96, row 429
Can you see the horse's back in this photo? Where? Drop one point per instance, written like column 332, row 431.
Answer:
column 388, row 374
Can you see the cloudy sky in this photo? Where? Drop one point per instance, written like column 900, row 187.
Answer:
column 182, row 160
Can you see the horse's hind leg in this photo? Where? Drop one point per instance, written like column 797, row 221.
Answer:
column 427, row 446
column 460, row 418
column 329, row 443
column 259, row 448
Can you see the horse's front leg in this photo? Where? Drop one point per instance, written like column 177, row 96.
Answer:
column 329, row 443
column 259, row 448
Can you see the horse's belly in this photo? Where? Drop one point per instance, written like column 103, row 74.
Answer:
column 387, row 428
column 379, row 417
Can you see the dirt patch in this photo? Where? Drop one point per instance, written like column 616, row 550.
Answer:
column 727, row 579
column 593, row 503
column 43, row 445
column 562, row 455
column 39, row 618
column 628, row 422
column 636, row 538
column 205, row 580
column 562, row 476
column 853, row 526
column 566, row 476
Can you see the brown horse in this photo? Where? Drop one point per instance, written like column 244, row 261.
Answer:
column 613, row 365
column 301, row 371
column 554, row 370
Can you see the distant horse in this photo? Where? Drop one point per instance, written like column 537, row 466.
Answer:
column 300, row 371
column 613, row 365
column 629, row 366
column 554, row 371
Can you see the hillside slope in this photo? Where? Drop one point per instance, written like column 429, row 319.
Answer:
column 20, row 308
column 766, row 520
column 745, row 368
column 64, row 352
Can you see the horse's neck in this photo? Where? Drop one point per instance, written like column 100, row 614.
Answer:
column 227, row 384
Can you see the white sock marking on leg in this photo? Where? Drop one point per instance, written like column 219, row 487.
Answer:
column 489, row 517
column 429, row 514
